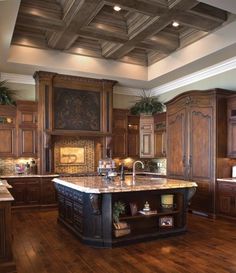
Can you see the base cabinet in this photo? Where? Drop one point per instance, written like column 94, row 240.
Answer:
column 226, row 199
column 32, row 192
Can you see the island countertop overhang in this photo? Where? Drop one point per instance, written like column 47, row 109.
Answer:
column 96, row 184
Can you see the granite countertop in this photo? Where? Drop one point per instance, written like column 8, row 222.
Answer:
column 96, row 184
column 4, row 193
column 229, row 179
column 27, row 175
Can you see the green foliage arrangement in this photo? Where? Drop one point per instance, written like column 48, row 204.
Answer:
column 6, row 94
column 118, row 208
column 147, row 104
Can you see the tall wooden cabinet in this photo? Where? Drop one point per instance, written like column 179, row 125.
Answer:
column 196, row 138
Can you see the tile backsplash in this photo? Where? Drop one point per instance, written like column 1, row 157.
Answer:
column 7, row 165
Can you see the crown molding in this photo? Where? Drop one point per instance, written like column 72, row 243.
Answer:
column 128, row 91
column 17, row 78
column 196, row 76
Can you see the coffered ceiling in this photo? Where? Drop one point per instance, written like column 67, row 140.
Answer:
column 140, row 33
column 137, row 46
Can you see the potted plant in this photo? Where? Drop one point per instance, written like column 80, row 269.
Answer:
column 6, row 94
column 120, row 228
column 147, row 104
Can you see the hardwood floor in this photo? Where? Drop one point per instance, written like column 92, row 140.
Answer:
column 41, row 245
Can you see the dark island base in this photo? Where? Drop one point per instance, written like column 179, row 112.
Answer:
column 89, row 216
column 126, row 240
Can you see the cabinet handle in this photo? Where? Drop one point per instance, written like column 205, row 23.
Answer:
column 190, row 161
column 184, row 160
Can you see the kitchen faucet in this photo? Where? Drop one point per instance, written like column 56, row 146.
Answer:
column 134, row 164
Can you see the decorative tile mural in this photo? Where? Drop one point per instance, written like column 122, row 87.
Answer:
column 73, row 148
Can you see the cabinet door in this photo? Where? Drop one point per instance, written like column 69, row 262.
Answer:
column 231, row 114
column 18, row 191
column 27, row 142
column 232, row 138
column 177, row 143
column 160, row 143
column 33, row 192
column 146, row 137
column 8, row 141
column 48, row 192
column 133, row 136
column 119, row 138
column 200, row 158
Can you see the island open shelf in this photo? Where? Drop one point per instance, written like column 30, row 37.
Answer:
column 86, row 207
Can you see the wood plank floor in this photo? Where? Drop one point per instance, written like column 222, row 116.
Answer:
column 41, row 245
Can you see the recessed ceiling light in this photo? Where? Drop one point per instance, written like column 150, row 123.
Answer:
column 117, row 8
column 175, row 24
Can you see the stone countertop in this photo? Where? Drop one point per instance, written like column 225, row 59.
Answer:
column 27, row 175
column 229, row 179
column 96, row 184
column 4, row 193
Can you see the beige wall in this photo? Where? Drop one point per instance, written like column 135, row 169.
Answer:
column 27, row 92
column 23, row 91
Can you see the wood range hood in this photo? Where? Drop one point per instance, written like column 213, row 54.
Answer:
column 72, row 106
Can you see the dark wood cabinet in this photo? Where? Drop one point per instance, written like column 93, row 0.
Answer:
column 119, row 133
column 48, row 192
column 26, row 191
column 232, row 127
column 27, row 128
column 160, row 135
column 7, row 264
column 125, row 135
column 33, row 191
column 8, row 133
column 226, row 198
column 196, row 138
column 133, row 136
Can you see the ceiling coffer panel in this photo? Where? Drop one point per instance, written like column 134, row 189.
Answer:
column 140, row 33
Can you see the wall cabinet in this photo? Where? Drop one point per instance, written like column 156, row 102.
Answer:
column 27, row 132
column 125, row 135
column 29, row 191
column 196, row 137
column 133, row 136
column 232, row 127
column 8, row 131
column 18, row 129
column 119, row 133
column 160, row 135
column 146, row 136
column 226, row 198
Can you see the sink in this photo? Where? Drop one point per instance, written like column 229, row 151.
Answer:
column 148, row 179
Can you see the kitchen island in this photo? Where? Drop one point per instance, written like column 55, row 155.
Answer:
column 86, row 207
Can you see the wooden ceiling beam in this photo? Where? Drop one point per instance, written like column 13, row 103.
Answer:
column 101, row 34
column 81, row 13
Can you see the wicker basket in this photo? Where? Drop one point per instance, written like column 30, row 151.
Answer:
column 121, row 229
